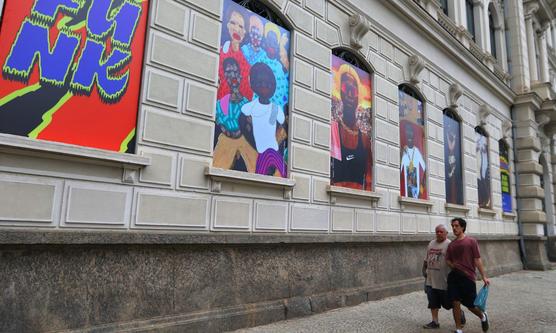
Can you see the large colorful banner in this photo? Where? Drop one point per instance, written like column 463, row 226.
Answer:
column 505, row 176
column 452, row 161
column 483, row 163
column 252, row 108
column 413, row 165
column 71, row 70
column 351, row 161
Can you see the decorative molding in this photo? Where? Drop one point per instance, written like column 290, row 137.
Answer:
column 486, row 211
column 359, row 26
column 542, row 119
column 506, row 129
column 416, row 65
column 130, row 175
column 484, row 112
column 454, row 93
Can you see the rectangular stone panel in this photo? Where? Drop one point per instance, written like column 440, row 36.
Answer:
column 365, row 220
column 300, row 18
column 342, row 219
column 201, row 100
column 26, row 201
column 175, row 130
column 303, row 73
column 232, row 213
column 172, row 16
column 205, row 31
column 312, row 51
column 310, row 159
column 387, row 222
column 97, row 204
column 302, row 188
column 271, row 215
column 185, row 58
column 310, row 103
column 309, row 217
column 167, row 209
column 301, row 128
column 192, row 172
column 161, row 169
column 320, row 192
column 327, row 34
column 164, row 88
column 322, row 81
column 409, row 223
column 321, row 136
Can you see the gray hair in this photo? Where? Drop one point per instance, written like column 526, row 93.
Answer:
column 441, row 226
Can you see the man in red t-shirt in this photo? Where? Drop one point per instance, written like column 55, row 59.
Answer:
column 463, row 257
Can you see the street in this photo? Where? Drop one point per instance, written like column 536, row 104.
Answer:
column 519, row 302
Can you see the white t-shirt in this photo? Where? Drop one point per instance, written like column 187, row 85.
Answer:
column 437, row 268
column 264, row 123
column 412, row 157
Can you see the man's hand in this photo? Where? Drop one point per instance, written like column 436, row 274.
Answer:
column 486, row 281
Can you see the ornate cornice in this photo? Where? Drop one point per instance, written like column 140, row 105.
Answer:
column 359, row 26
column 416, row 64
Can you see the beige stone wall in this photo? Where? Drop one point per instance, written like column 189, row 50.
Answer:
column 176, row 123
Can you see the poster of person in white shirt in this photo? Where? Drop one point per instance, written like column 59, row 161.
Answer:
column 413, row 165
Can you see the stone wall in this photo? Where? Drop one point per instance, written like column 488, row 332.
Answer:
column 94, row 282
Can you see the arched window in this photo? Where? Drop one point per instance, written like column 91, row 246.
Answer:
column 492, row 30
column 251, row 132
column 504, row 152
column 413, row 162
column 453, row 168
column 470, row 17
column 351, row 160
column 483, row 167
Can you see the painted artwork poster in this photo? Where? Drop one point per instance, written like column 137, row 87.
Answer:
column 452, row 161
column 251, row 132
column 483, row 178
column 413, row 165
column 350, row 131
column 71, row 70
column 505, row 177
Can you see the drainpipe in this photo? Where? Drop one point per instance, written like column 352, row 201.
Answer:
column 522, row 250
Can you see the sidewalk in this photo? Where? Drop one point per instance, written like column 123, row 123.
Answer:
column 519, row 302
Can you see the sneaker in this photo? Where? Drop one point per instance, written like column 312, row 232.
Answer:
column 432, row 325
column 463, row 321
column 484, row 324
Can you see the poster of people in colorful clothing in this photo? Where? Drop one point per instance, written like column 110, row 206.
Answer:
column 350, row 131
column 251, row 132
column 505, row 176
column 71, row 70
column 413, row 166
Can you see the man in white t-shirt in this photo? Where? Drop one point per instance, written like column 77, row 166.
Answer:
column 435, row 270
column 411, row 165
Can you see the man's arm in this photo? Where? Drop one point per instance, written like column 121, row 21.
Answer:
column 424, row 268
column 450, row 264
column 479, row 264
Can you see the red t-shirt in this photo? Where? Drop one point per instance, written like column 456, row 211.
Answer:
column 462, row 253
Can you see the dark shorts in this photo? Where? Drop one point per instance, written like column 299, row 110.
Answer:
column 438, row 298
column 461, row 288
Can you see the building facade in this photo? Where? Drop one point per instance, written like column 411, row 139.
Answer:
column 211, row 165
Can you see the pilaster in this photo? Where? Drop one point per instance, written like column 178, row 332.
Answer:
column 530, row 35
column 520, row 81
column 543, row 54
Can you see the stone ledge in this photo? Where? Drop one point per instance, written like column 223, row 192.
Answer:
column 339, row 191
column 222, row 175
column 486, row 211
column 13, row 236
column 25, row 146
column 456, row 207
column 405, row 201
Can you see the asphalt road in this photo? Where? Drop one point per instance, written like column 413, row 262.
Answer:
column 519, row 302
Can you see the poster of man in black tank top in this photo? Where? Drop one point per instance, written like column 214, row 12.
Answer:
column 350, row 152
column 412, row 142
